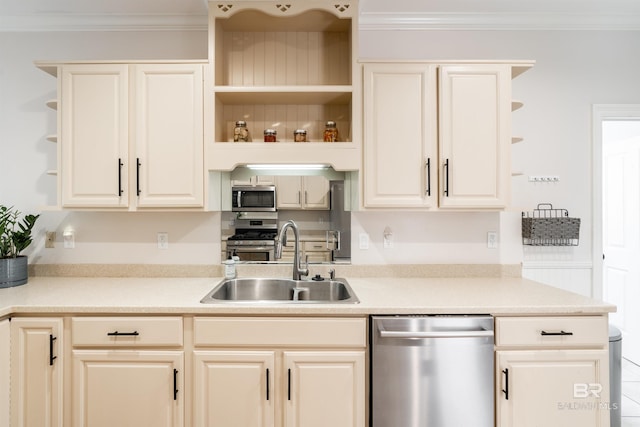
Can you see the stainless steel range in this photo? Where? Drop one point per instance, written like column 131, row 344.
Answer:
column 254, row 238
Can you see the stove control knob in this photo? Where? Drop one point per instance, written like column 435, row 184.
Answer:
column 317, row 278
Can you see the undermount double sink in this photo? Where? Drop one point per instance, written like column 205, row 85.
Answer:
column 260, row 290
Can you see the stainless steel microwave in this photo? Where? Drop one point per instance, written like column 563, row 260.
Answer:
column 259, row 198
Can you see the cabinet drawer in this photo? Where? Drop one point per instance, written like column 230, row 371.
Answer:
column 269, row 331
column 315, row 246
column 126, row 331
column 555, row 332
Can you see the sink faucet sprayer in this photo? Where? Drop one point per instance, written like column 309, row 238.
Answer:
column 298, row 272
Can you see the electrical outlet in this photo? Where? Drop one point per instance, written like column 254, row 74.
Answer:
column 49, row 241
column 69, row 239
column 387, row 238
column 163, row 240
column 492, row 240
column 364, row 241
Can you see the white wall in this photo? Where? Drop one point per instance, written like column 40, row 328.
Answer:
column 574, row 70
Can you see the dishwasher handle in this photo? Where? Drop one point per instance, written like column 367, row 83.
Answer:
column 477, row 333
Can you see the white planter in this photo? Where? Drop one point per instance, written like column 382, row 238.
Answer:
column 13, row 271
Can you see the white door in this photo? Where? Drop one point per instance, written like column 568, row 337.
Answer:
column 324, row 388
column 94, row 136
column 552, row 388
column 234, row 388
column 316, row 192
column 169, row 135
column 621, row 232
column 400, row 134
column 128, row 388
column 475, row 135
column 5, row 340
column 36, row 372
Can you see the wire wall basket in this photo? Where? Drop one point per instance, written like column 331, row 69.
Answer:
column 546, row 226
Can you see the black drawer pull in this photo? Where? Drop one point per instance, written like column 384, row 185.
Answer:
column 505, row 390
column 123, row 334
column 51, row 356
column 175, row 384
column 267, row 383
column 561, row 333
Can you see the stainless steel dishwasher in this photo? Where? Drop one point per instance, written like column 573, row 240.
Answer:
column 432, row 371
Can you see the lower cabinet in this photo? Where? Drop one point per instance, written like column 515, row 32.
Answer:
column 128, row 388
column 283, row 372
column 36, row 372
column 127, row 371
column 552, row 372
column 5, row 371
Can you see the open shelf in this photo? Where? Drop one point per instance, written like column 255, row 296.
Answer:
column 516, row 105
column 282, row 95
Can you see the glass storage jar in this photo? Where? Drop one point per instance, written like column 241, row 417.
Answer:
column 300, row 135
column 270, row 135
column 240, row 132
column 330, row 132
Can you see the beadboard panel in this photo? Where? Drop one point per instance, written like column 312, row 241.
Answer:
column 285, row 58
column 574, row 277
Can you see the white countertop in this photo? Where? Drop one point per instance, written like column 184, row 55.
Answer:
column 490, row 295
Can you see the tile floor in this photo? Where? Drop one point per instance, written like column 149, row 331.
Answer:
column 630, row 394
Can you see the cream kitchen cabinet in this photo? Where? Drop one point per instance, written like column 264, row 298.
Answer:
column 5, row 372
column 36, row 372
column 286, row 67
column 552, row 372
column 304, row 372
column 128, row 371
column 437, row 135
column 302, row 192
column 131, row 135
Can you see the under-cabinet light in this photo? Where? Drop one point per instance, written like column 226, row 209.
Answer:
column 288, row 167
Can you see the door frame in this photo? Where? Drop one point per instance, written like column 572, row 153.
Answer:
column 600, row 113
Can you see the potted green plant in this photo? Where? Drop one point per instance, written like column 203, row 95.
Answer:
column 15, row 236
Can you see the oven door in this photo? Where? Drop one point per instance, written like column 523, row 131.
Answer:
column 253, row 199
column 252, row 253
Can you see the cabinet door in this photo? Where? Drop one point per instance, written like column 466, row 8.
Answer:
column 36, row 372
column 316, row 192
column 475, row 136
column 169, row 135
column 128, row 388
column 552, row 388
column 5, row 342
column 234, row 388
column 289, row 192
column 324, row 389
column 400, row 135
column 94, row 135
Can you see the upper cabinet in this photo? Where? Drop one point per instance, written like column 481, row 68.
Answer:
column 302, row 192
column 438, row 135
column 283, row 67
column 131, row 135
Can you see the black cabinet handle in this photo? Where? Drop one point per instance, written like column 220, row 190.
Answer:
column 505, row 390
column 51, row 356
column 288, row 384
column 428, row 176
column 267, row 383
column 120, row 164
column 138, row 164
column 123, row 334
column 561, row 333
column 175, row 384
column 446, row 178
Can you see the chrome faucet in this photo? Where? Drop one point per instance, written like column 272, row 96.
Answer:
column 298, row 272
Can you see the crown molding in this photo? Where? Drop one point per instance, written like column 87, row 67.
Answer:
column 103, row 22
column 401, row 21
column 368, row 21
